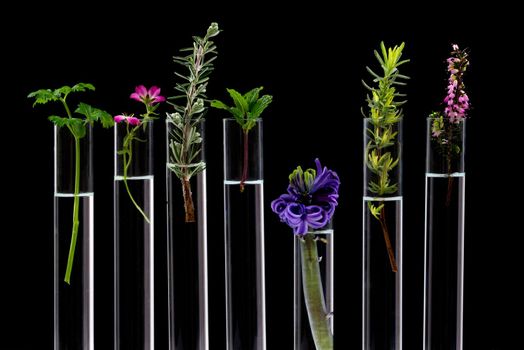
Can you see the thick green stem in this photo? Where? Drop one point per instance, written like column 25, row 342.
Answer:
column 314, row 294
column 76, row 205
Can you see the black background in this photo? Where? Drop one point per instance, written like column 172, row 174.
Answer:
column 311, row 59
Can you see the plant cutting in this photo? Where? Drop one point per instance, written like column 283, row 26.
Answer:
column 384, row 114
column 307, row 206
column 446, row 126
column 76, row 122
column 246, row 110
column 151, row 99
column 184, row 139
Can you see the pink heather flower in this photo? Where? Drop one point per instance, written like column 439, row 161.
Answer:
column 128, row 119
column 456, row 100
column 148, row 97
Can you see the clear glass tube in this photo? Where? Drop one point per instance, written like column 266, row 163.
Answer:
column 314, row 290
column 187, row 257
column 244, row 237
column 73, row 301
column 382, row 241
column 134, row 242
column 444, row 236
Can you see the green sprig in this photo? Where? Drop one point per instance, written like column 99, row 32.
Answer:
column 247, row 108
column 185, row 143
column 77, row 125
column 385, row 113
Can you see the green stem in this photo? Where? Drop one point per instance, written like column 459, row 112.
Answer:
column 127, row 163
column 314, row 294
column 76, row 205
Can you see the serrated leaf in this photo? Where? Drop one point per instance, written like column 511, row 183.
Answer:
column 62, row 92
column 94, row 114
column 82, row 87
column 42, row 96
column 58, row 121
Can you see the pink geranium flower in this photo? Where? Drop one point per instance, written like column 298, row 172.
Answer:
column 148, row 97
column 128, row 119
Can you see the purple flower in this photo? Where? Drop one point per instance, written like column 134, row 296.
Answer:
column 310, row 201
column 148, row 97
column 128, row 119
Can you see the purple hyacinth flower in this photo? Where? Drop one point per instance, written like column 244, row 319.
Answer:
column 310, row 201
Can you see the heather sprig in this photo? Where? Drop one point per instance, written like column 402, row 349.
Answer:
column 456, row 101
column 446, row 125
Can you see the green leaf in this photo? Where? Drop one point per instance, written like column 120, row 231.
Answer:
column 239, row 100
column 219, row 104
column 58, row 121
column 375, row 75
column 82, row 87
column 237, row 114
column 94, row 114
column 248, row 107
column 260, row 105
column 42, row 96
column 62, row 92
column 78, row 127
column 252, row 96
column 375, row 211
column 45, row 95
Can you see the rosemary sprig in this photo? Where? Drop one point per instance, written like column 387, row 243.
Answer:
column 185, row 142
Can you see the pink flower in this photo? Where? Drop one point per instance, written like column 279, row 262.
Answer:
column 148, row 97
column 128, row 119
